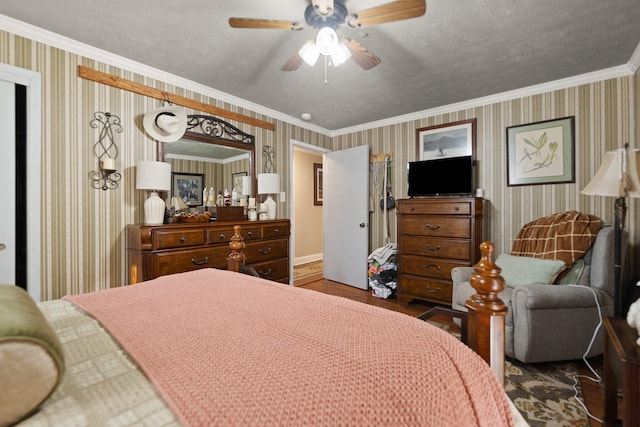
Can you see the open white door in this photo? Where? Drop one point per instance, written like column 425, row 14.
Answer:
column 8, row 183
column 346, row 216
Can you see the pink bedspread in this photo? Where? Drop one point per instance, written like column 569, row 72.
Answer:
column 230, row 349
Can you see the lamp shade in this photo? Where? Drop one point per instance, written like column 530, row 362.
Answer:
column 268, row 183
column 309, row 53
column 618, row 175
column 153, row 175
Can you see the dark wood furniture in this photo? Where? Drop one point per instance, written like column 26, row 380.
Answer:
column 157, row 250
column 436, row 234
column 621, row 372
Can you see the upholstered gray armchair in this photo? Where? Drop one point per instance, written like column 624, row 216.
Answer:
column 549, row 322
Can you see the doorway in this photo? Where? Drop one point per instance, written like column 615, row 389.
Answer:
column 305, row 214
column 23, row 227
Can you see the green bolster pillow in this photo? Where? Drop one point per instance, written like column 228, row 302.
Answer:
column 31, row 358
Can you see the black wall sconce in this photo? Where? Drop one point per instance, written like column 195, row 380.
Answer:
column 105, row 149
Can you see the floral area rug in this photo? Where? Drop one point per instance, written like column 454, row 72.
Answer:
column 544, row 394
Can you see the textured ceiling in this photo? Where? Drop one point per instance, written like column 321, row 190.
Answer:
column 459, row 50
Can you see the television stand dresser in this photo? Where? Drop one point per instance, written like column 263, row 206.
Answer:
column 158, row 250
column 436, row 234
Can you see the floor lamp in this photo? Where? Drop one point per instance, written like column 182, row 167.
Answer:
column 618, row 177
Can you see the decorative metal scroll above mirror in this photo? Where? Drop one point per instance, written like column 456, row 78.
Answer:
column 219, row 128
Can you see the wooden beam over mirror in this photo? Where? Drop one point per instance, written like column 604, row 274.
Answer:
column 140, row 89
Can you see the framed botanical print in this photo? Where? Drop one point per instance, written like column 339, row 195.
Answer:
column 541, row 152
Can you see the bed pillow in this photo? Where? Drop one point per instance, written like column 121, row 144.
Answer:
column 31, row 359
column 521, row 270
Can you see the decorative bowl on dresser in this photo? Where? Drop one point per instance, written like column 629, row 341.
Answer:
column 436, row 234
column 158, row 250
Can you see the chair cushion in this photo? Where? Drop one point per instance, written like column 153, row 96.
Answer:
column 573, row 276
column 520, row 270
column 31, row 358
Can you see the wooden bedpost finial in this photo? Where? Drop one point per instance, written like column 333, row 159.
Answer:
column 236, row 258
column 487, row 282
column 487, row 312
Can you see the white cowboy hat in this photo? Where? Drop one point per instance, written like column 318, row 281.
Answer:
column 166, row 124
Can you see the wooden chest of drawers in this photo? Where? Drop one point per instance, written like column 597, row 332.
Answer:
column 434, row 236
column 157, row 250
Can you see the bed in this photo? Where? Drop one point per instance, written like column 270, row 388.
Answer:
column 217, row 347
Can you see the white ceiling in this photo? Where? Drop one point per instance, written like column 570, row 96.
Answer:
column 458, row 51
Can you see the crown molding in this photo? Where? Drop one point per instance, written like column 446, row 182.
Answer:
column 587, row 78
column 38, row 34
column 634, row 62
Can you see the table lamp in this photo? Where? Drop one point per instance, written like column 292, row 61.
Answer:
column 269, row 183
column 153, row 176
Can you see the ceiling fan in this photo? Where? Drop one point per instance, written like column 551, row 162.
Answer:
column 326, row 16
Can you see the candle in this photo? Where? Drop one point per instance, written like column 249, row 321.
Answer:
column 109, row 164
column 252, row 202
column 204, row 197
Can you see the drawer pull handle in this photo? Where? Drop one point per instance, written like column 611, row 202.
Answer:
column 222, row 237
column 265, row 273
column 265, row 251
column 432, row 227
column 183, row 239
column 249, row 233
column 200, row 262
column 276, row 230
column 456, row 209
column 433, row 291
column 437, row 267
column 432, row 248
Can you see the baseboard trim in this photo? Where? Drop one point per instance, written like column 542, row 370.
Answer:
column 307, row 259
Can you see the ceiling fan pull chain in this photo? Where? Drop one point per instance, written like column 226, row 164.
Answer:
column 326, row 80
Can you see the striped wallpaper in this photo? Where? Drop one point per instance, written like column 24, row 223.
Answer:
column 83, row 244
column 606, row 116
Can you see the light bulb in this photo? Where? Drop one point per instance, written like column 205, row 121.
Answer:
column 326, row 40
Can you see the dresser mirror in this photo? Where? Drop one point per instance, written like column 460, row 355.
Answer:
column 216, row 149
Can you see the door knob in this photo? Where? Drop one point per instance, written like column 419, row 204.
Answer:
column 3, row 246
column 363, row 225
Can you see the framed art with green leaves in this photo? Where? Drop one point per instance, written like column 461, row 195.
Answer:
column 541, row 153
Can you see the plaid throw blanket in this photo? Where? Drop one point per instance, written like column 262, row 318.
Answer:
column 562, row 236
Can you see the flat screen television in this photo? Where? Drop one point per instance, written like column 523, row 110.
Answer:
column 452, row 176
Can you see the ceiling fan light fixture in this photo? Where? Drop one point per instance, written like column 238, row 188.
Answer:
column 340, row 54
column 327, row 40
column 309, row 53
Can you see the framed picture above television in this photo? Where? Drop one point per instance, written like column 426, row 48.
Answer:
column 455, row 139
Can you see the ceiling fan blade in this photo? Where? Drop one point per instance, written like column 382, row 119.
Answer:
column 394, row 11
column 264, row 23
column 361, row 55
column 325, row 7
column 293, row 63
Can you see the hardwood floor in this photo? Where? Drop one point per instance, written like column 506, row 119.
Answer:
column 593, row 393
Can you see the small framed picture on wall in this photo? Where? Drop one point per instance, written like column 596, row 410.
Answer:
column 317, row 184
